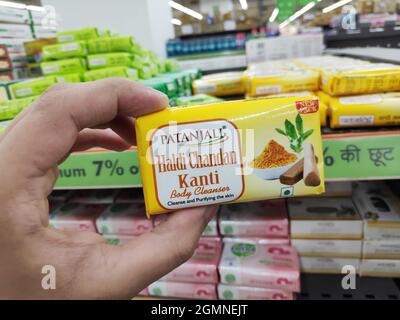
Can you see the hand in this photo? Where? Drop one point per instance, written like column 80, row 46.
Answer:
column 86, row 267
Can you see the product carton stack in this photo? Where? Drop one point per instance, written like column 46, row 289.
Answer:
column 327, row 232
column 380, row 209
column 257, row 261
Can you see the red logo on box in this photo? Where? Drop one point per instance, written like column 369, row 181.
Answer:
column 307, row 106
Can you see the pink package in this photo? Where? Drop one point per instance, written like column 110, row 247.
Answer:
column 144, row 293
column 124, row 219
column 196, row 270
column 264, row 266
column 101, row 196
column 208, row 247
column 183, row 290
column 285, row 241
column 76, row 217
column 227, row 292
column 130, row 196
column 264, row 219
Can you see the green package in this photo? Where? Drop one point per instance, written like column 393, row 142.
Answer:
column 156, row 84
column 171, row 65
column 31, row 88
column 111, row 44
column 106, row 33
column 196, row 100
column 66, row 66
column 181, row 81
column 173, row 89
column 194, row 73
column 65, row 51
column 145, row 73
column 5, row 91
column 72, row 77
column 10, row 109
column 164, row 84
column 77, row 35
column 114, row 72
column 107, row 60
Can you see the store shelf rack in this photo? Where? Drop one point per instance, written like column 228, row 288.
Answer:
column 356, row 155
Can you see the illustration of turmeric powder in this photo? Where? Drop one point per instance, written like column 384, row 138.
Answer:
column 274, row 155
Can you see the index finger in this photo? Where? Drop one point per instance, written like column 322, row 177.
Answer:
column 48, row 132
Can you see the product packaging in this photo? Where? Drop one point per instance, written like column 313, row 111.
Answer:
column 10, row 109
column 187, row 163
column 264, row 219
column 366, row 110
column 361, row 79
column 328, row 248
column 164, row 85
column 227, row 292
column 31, row 88
column 263, row 266
column 338, row 189
column 76, row 217
column 71, row 77
column 327, row 265
column 196, row 100
column 211, row 229
column 124, row 219
column 63, row 66
column 279, row 77
column 381, row 249
column 20, row 31
column 101, row 196
column 106, row 60
column 183, row 290
column 220, row 84
column 112, row 44
column 380, row 268
column 328, row 218
column 208, row 248
column 65, row 51
column 196, row 270
column 255, row 240
column 380, row 209
column 122, row 72
column 78, row 35
column 5, row 92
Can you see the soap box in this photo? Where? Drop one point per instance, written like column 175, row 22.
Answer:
column 183, row 290
column 255, row 240
column 265, row 219
column 264, row 266
column 196, row 270
column 380, row 268
column 328, row 218
column 381, row 249
column 76, row 217
column 327, row 265
column 227, row 292
column 380, row 209
column 124, row 219
column 328, row 248
column 101, row 196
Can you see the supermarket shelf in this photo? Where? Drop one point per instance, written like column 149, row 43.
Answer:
column 214, row 34
column 356, row 155
column 226, row 53
column 373, row 54
column 216, row 63
column 328, row 287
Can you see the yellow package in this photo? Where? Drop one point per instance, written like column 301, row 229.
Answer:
column 365, row 110
column 277, row 79
column 220, row 84
column 323, row 108
column 230, row 152
column 361, row 79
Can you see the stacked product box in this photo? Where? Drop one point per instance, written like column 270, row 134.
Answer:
column 380, row 209
column 255, row 234
column 327, row 233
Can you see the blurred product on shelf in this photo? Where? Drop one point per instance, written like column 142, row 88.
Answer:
column 34, row 54
column 76, row 217
column 10, row 109
column 31, row 88
column 338, row 189
column 114, row 72
column 366, row 110
column 328, row 248
column 380, row 268
column 65, row 51
column 220, row 84
column 262, row 266
column 281, row 76
column 256, row 240
column 228, row 292
column 327, row 265
column 381, row 249
column 183, row 290
column 105, row 60
column 113, row 44
column 211, row 229
column 328, row 218
column 78, row 35
column 103, row 196
column 196, row 100
column 264, row 219
column 76, row 65
column 124, row 219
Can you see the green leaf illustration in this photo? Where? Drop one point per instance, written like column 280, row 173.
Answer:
column 299, row 124
column 290, row 130
column 280, row 131
column 307, row 134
